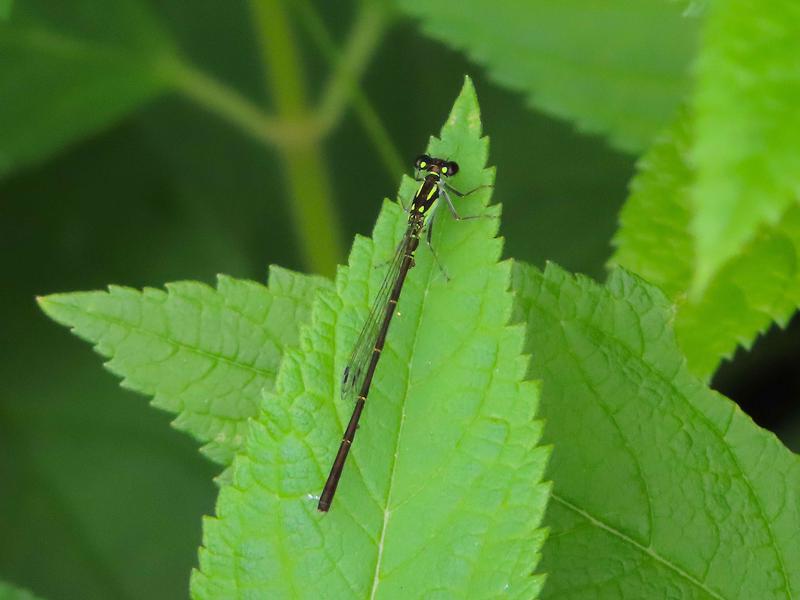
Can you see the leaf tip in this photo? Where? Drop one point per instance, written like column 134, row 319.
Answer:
column 49, row 305
column 468, row 87
column 465, row 107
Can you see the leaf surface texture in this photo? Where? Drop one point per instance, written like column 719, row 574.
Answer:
column 441, row 494
column 662, row 487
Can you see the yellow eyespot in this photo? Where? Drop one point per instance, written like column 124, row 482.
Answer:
column 423, row 164
column 444, row 169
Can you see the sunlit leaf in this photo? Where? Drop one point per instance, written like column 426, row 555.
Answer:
column 747, row 124
column 662, row 487
column 442, row 492
column 759, row 287
column 203, row 354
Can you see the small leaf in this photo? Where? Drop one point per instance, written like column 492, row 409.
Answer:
column 69, row 71
column 662, row 487
column 9, row 592
column 747, row 124
column 758, row 287
column 615, row 68
column 202, row 353
column 441, row 495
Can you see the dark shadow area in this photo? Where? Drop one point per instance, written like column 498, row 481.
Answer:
column 765, row 382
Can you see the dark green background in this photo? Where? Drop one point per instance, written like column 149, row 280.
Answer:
column 100, row 497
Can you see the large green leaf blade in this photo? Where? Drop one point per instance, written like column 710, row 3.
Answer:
column 615, row 68
column 441, row 493
column 758, row 287
column 748, row 90
column 662, row 487
column 203, row 354
column 69, row 71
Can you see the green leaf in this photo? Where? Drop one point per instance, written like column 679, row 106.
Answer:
column 748, row 91
column 758, row 287
column 5, row 8
column 442, row 492
column 67, row 71
column 9, row 592
column 202, row 353
column 662, row 487
column 615, row 68
column 653, row 238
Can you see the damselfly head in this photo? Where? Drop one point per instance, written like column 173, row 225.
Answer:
column 448, row 168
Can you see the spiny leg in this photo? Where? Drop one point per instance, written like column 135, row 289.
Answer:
column 444, row 189
column 462, row 194
column 428, row 237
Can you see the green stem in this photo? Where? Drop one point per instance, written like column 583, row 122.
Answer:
column 350, row 64
column 310, row 194
column 220, row 99
column 348, row 67
column 295, row 131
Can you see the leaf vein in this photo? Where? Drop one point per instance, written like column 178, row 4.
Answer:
column 645, row 550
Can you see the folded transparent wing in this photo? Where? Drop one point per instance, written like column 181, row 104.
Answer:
column 356, row 370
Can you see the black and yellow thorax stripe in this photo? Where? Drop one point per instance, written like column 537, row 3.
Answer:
column 426, row 195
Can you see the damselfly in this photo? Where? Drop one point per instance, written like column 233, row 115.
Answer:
column 360, row 368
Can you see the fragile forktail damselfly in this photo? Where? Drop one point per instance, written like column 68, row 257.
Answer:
column 360, row 369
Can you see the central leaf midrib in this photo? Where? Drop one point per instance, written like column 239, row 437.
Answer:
column 393, row 468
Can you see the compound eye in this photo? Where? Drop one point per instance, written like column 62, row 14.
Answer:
column 423, row 161
column 450, row 168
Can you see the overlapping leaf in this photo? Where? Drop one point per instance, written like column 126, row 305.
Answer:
column 442, row 493
column 616, row 68
column 204, row 354
column 662, row 487
column 747, row 124
column 68, row 70
column 755, row 289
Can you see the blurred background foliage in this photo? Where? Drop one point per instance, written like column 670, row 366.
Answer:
column 145, row 142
